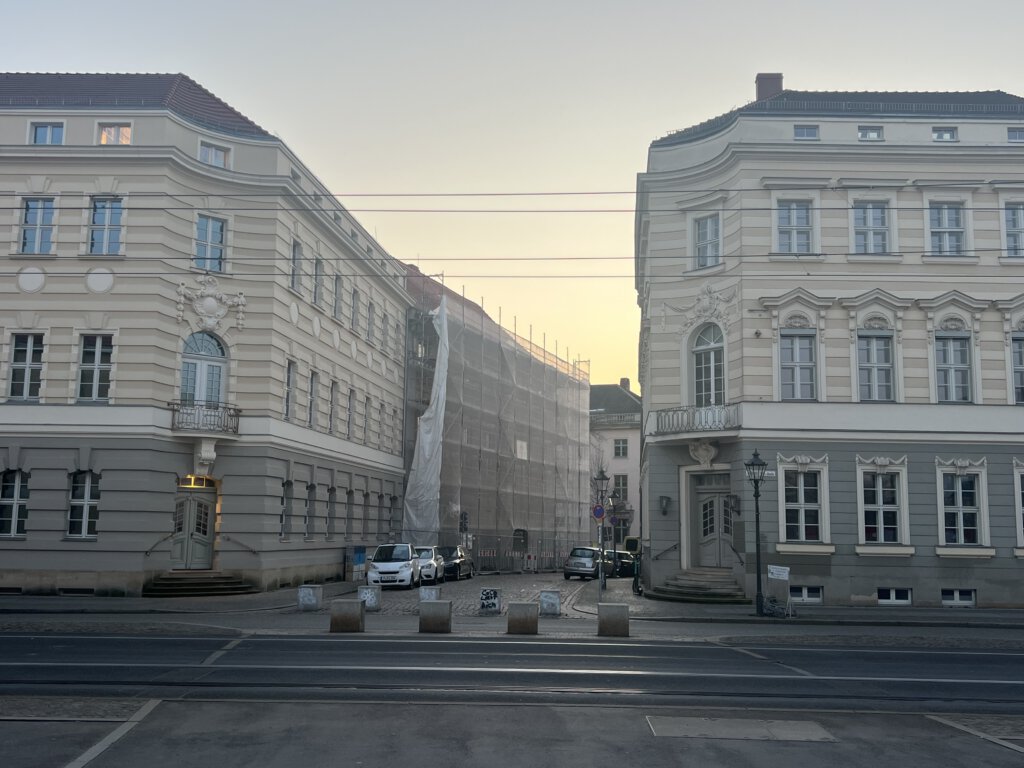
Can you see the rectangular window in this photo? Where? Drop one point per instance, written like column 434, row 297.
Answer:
column 26, row 366
column 961, row 508
column 115, row 133
column 875, row 368
column 37, row 226
column 798, row 367
column 870, row 133
column 355, row 310
column 621, row 447
column 620, row 485
column 1015, row 134
column 105, row 226
column 805, row 595
column 946, row 228
column 318, row 281
column 47, row 133
column 210, row 243
column 94, row 368
column 805, row 132
column 803, row 505
column 332, row 408
column 371, row 320
column 894, row 596
column 314, row 393
column 1015, row 229
column 13, row 502
column 338, row 287
column 308, row 522
column 289, row 390
column 870, row 227
column 296, row 266
column 958, row 598
column 211, row 154
column 385, row 322
column 953, row 369
column 944, row 133
column 367, row 407
column 794, row 226
column 707, row 243
column 881, row 496
column 350, row 413
column 84, row 507
column 1017, row 351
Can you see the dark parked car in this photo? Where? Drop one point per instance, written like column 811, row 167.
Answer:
column 619, row 563
column 457, row 563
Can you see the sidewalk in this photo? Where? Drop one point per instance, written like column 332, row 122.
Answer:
column 578, row 604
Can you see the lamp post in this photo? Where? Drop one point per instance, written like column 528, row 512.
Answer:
column 601, row 486
column 755, row 469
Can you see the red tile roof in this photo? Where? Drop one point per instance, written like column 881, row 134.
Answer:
column 174, row 92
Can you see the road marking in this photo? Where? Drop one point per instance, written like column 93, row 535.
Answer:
column 759, row 657
column 743, row 729
column 973, row 732
column 125, row 728
column 217, row 654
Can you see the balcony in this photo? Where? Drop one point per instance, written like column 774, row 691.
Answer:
column 711, row 418
column 198, row 416
column 615, row 419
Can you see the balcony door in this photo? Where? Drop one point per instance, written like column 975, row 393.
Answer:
column 192, row 540
column 203, row 366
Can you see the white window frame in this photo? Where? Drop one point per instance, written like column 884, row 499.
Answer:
column 97, row 368
column 1018, row 495
column 960, row 597
column 1013, row 238
column 105, row 228
column 806, row 132
column 371, row 321
column 959, row 467
column 802, row 465
column 714, row 355
column 337, row 308
column 14, row 507
column 892, row 598
column 208, row 263
column 952, row 368
column 870, row 133
column 84, row 510
column 944, row 231
column 945, row 133
column 805, row 594
column 707, row 246
column 295, row 266
column 786, row 334
column 782, row 198
column 879, row 466
column 289, row 389
column 211, row 151
column 869, row 229
column 355, row 310
column 28, row 367
column 620, row 447
column 38, row 227
column 874, row 367
column 318, row 281
column 332, row 407
column 49, row 125
column 122, row 125
column 1017, row 368
column 312, row 407
column 350, row 412
column 1015, row 134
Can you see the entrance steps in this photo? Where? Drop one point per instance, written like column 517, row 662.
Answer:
column 701, row 585
column 196, row 584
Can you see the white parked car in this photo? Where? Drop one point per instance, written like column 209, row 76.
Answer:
column 431, row 564
column 394, row 565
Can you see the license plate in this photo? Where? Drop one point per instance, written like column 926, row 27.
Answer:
column 389, row 578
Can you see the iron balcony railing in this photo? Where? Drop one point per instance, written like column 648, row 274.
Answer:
column 200, row 416
column 692, row 418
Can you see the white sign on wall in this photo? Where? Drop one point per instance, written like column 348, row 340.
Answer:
column 778, row 572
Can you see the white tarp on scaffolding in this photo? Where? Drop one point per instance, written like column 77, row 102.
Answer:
column 421, row 520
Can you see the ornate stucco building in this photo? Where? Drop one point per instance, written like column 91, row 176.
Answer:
column 202, row 352
column 836, row 280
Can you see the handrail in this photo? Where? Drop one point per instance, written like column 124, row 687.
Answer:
column 242, row 544
column 160, row 541
column 737, row 553
column 674, row 546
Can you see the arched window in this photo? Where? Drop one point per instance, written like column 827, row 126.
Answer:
column 709, row 367
column 202, row 370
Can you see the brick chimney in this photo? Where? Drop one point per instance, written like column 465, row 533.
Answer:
column 768, row 84
column 624, row 383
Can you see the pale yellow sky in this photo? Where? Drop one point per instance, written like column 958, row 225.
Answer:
column 470, row 96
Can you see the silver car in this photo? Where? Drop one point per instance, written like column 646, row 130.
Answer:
column 394, row 565
column 431, row 564
column 582, row 562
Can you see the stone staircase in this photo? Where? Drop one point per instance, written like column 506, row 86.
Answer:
column 196, row 584
column 701, row 585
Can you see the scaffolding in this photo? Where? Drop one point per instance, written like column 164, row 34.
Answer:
column 515, row 466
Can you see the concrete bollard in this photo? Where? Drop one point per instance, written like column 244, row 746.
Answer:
column 522, row 618
column 613, row 620
column 311, row 597
column 490, row 601
column 371, row 596
column 550, row 602
column 347, row 615
column 436, row 616
column 430, row 593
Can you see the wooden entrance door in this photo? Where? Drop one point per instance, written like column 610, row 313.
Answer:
column 714, row 521
column 192, row 542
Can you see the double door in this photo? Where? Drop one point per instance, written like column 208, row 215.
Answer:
column 715, row 512
column 192, row 538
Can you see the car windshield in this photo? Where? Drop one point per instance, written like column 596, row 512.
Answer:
column 392, row 553
column 448, row 552
column 581, row 552
column 424, row 553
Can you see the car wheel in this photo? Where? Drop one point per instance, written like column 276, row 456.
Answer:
column 567, row 576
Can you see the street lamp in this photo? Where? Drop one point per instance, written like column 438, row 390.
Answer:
column 601, row 485
column 755, row 469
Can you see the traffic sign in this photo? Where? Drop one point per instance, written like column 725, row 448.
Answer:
column 598, row 512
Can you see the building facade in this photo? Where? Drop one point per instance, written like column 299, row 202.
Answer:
column 515, row 463
column 202, row 352
column 836, row 280
column 615, row 418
